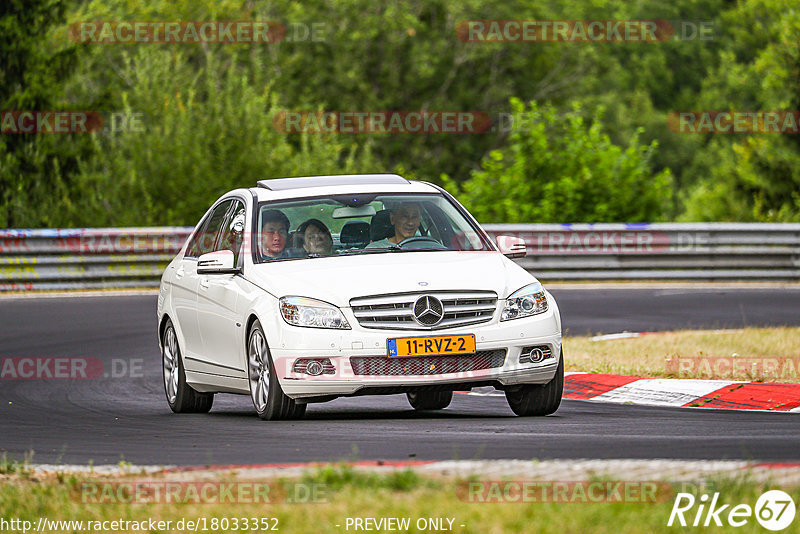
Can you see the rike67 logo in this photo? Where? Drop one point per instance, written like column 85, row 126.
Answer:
column 774, row 510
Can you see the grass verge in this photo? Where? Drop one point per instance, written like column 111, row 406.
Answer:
column 749, row 354
column 353, row 494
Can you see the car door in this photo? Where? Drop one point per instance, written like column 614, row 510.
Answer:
column 187, row 282
column 184, row 290
column 220, row 324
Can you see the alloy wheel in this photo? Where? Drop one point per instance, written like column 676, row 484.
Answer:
column 258, row 370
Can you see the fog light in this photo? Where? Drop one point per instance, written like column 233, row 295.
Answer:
column 535, row 354
column 314, row 368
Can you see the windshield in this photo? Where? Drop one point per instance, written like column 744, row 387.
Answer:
column 340, row 225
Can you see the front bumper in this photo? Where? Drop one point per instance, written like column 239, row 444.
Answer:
column 339, row 346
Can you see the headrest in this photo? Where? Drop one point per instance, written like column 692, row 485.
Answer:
column 355, row 233
column 381, row 226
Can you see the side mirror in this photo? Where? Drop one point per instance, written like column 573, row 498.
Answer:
column 219, row 262
column 511, row 247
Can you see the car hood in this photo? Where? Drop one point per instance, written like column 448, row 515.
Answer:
column 338, row 279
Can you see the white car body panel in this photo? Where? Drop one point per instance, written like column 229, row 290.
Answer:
column 211, row 326
column 337, row 280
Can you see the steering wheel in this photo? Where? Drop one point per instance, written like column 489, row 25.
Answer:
column 421, row 239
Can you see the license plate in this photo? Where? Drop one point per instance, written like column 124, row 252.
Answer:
column 430, row 345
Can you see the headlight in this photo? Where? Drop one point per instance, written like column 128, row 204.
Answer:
column 530, row 300
column 301, row 311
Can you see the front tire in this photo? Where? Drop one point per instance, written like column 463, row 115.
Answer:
column 430, row 400
column 180, row 395
column 538, row 399
column 265, row 390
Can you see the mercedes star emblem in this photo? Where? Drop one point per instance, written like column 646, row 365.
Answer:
column 428, row 310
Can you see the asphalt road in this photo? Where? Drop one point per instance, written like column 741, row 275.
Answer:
column 109, row 419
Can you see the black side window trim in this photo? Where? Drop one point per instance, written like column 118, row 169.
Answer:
column 207, row 218
column 232, row 210
column 201, row 228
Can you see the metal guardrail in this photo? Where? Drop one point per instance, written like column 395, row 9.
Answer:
column 86, row 258
column 658, row 251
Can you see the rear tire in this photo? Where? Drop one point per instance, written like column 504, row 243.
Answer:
column 430, row 400
column 538, row 399
column 270, row 402
column 180, row 395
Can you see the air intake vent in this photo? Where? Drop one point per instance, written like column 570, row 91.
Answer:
column 427, row 365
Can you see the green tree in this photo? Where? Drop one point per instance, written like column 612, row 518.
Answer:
column 751, row 177
column 36, row 171
column 559, row 168
column 204, row 129
column 207, row 107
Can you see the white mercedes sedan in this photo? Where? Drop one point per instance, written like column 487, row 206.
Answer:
column 307, row 289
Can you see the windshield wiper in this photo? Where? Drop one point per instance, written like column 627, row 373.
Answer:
column 393, row 248
column 398, row 248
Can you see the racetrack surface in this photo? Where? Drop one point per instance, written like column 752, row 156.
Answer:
column 106, row 420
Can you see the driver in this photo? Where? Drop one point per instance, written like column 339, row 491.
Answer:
column 406, row 219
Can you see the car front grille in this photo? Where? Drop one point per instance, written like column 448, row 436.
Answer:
column 426, row 365
column 396, row 312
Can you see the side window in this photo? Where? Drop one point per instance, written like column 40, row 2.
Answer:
column 206, row 238
column 233, row 230
column 428, row 226
column 192, row 251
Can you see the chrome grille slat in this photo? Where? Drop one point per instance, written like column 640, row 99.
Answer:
column 461, row 321
column 395, row 312
column 469, row 308
column 383, row 312
column 406, row 297
column 391, row 325
column 380, row 300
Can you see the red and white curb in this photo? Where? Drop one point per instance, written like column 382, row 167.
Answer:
column 683, row 392
column 691, row 393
